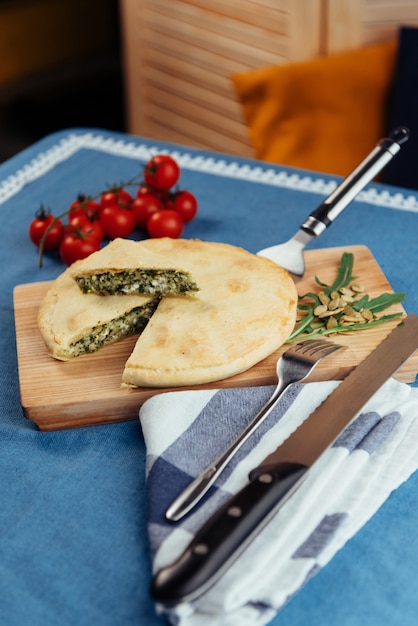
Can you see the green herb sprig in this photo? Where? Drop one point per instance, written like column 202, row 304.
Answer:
column 342, row 307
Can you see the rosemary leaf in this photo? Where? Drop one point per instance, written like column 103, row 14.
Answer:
column 295, row 336
column 345, row 272
column 385, row 300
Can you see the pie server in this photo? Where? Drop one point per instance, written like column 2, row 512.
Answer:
column 230, row 530
column 290, row 254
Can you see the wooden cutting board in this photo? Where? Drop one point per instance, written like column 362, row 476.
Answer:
column 87, row 390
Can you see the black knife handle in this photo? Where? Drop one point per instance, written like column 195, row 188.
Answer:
column 348, row 189
column 225, row 535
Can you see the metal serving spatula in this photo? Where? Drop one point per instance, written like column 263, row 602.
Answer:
column 290, row 254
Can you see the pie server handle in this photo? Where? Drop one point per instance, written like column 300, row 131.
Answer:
column 226, row 534
column 351, row 186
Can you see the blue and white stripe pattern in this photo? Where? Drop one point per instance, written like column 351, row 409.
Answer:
column 186, row 430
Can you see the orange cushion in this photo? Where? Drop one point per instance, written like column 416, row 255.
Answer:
column 325, row 114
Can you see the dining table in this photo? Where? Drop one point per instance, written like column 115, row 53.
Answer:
column 74, row 548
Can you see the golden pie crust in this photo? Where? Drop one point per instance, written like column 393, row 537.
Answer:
column 245, row 310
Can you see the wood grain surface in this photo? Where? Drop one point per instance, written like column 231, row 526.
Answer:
column 87, row 390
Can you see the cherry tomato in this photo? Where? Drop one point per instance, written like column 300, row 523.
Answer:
column 143, row 190
column 161, row 172
column 76, row 245
column 119, row 196
column 166, row 223
column 116, row 221
column 165, row 196
column 143, row 206
column 185, row 203
column 168, row 200
column 83, row 206
column 40, row 224
column 90, row 228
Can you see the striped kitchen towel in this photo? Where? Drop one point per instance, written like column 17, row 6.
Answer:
column 186, row 430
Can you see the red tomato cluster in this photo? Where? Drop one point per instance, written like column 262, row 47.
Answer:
column 156, row 208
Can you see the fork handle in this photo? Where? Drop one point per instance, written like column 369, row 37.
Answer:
column 195, row 491
column 348, row 189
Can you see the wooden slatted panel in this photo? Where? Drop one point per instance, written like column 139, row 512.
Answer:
column 352, row 23
column 179, row 56
column 382, row 18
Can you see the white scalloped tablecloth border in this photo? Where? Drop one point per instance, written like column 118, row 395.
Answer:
column 66, row 147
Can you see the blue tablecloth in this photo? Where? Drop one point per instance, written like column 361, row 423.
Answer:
column 73, row 541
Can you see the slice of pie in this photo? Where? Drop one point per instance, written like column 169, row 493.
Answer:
column 127, row 267
column 72, row 323
column 244, row 311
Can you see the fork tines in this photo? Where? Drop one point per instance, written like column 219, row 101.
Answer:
column 316, row 347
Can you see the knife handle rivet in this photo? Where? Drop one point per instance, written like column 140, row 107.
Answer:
column 265, row 478
column 201, row 549
column 234, row 511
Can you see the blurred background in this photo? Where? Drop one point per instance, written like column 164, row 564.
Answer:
column 60, row 66
column 162, row 68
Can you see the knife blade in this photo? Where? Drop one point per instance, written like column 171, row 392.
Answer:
column 228, row 532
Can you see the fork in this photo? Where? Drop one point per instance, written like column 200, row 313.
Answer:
column 293, row 366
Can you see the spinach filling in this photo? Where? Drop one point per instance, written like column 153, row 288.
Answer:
column 132, row 322
column 158, row 282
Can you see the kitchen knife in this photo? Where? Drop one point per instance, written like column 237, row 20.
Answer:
column 230, row 530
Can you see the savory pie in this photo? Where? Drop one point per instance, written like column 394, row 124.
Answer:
column 127, row 267
column 244, row 310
